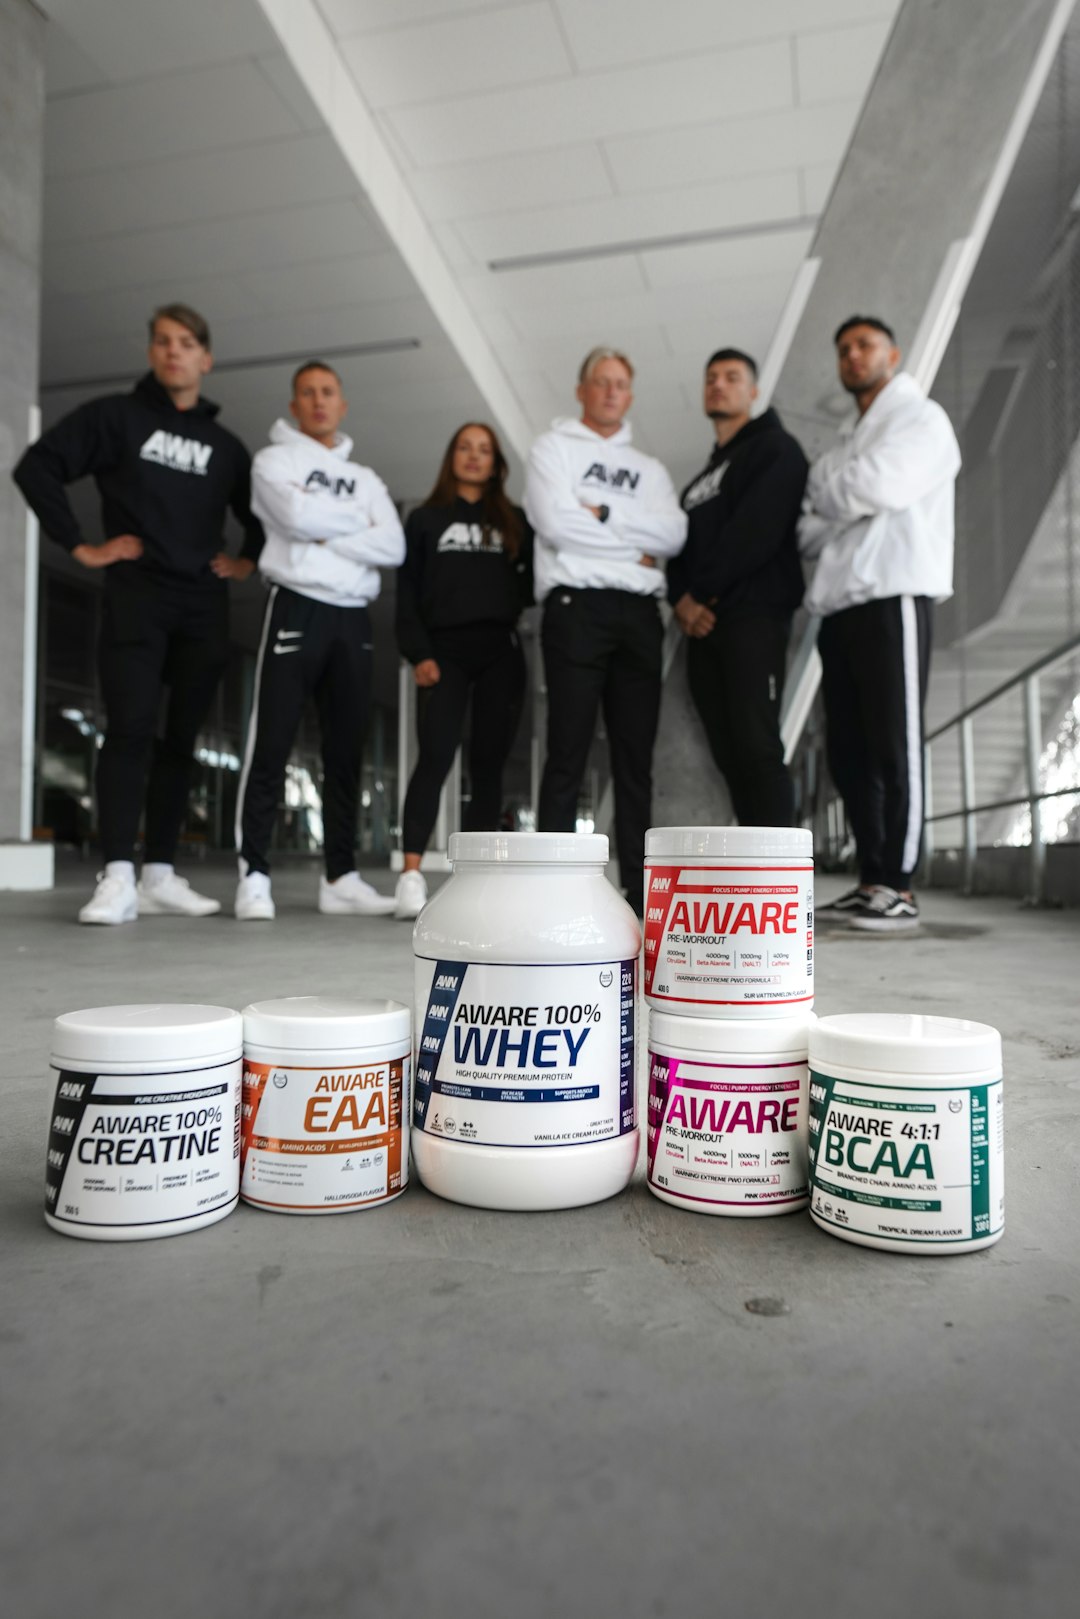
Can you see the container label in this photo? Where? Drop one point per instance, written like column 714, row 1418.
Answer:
column 525, row 1056
column 143, row 1149
column 324, row 1139
column 729, row 935
column 908, row 1165
column 728, row 1134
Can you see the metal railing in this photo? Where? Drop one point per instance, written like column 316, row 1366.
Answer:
column 1028, row 680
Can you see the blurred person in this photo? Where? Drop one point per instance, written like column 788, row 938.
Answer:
column 736, row 584
column 330, row 526
column 466, row 578
column 166, row 471
column 878, row 524
column 605, row 516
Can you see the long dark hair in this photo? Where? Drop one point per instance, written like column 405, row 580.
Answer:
column 496, row 512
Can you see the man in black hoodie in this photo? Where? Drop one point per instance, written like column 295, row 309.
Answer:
column 166, row 472
column 736, row 585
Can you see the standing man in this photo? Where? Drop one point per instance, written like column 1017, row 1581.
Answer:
column 166, row 472
column 879, row 523
column 604, row 516
column 736, row 585
column 330, row 527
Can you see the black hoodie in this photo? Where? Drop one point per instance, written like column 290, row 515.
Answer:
column 740, row 554
column 164, row 474
column 450, row 579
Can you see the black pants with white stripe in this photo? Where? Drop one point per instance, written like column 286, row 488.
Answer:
column 308, row 649
column 602, row 647
column 875, row 662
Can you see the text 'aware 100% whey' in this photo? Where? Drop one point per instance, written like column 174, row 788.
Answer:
column 526, row 967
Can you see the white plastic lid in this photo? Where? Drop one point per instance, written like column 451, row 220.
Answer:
column 754, row 842
column 325, row 1023
column 530, row 848
column 132, row 1034
column 904, row 1043
column 743, row 1037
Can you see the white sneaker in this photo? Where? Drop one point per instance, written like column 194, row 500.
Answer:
column 352, row 896
column 410, row 896
column 253, row 902
column 114, row 900
column 171, row 895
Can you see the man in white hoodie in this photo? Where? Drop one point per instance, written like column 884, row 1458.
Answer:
column 605, row 516
column 330, row 527
column 878, row 522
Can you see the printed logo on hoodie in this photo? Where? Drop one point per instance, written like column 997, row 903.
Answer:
column 336, row 486
column 181, row 454
column 468, row 537
column 705, row 487
column 620, row 478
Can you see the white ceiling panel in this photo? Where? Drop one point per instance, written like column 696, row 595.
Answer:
column 817, row 182
column 728, row 147
column 67, row 66
column 514, row 45
column 671, row 268
column 199, row 186
column 163, row 117
column 590, row 107
column 191, row 33
column 654, row 214
column 559, row 284
column 830, row 62
column 607, row 33
column 287, row 236
column 523, row 180
column 367, row 16
column 331, row 283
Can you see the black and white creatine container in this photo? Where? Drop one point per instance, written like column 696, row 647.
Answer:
column 144, row 1128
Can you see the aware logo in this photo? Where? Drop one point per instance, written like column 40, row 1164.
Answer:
column 612, row 478
column 705, row 487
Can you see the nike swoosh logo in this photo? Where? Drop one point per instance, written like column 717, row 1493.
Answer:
column 280, row 649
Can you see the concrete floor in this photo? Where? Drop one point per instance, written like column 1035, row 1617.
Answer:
column 429, row 1409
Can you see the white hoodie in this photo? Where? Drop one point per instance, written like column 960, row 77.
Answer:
column 571, row 467
column 878, row 516
column 330, row 524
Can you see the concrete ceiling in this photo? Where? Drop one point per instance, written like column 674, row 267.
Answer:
column 481, row 188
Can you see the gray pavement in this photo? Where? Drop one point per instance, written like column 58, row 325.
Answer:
column 432, row 1409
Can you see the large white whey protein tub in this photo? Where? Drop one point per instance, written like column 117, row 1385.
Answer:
column 144, row 1132
column 729, row 920
column 907, row 1132
column 326, row 1104
column 526, row 967
column 727, row 1114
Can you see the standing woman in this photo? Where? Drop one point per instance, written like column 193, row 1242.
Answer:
column 466, row 577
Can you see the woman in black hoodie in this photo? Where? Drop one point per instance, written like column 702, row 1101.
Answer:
column 466, row 577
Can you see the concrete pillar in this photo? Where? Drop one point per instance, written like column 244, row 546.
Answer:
column 918, row 189
column 22, row 102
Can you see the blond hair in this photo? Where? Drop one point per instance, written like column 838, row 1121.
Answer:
column 594, row 358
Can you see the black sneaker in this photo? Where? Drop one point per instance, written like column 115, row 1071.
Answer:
column 840, row 910
column 885, row 911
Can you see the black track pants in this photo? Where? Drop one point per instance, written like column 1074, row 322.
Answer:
column 875, row 661
column 602, row 647
column 157, row 631
column 484, row 663
column 307, row 649
column 736, row 678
